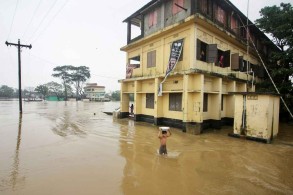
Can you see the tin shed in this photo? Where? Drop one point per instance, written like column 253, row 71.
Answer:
column 256, row 115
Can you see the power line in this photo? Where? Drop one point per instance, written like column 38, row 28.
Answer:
column 13, row 19
column 43, row 19
column 269, row 75
column 33, row 16
column 43, row 59
column 51, row 20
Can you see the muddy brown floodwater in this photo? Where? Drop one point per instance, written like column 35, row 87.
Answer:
column 63, row 148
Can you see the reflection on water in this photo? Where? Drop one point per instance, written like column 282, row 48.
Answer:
column 14, row 177
column 15, row 168
column 74, row 148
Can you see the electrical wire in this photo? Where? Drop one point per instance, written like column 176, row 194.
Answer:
column 33, row 16
column 43, row 59
column 249, row 39
column 12, row 20
column 43, row 19
column 50, row 21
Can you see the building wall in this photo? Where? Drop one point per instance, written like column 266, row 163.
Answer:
column 261, row 118
column 193, row 78
column 95, row 93
column 170, row 18
column 224, row 43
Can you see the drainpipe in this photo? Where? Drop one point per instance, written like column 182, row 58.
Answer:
column 243, row 127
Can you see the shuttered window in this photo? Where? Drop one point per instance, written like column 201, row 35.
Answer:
column 222, row 102
column 151, row 59
column 212, row 53
column 153, row 18
column 150, row 99
column 203, row 5
column 201, row 51
column 234, row 24
column 206, row 52
column 205, row 102
column 235, row 61
column 175, row 101
column 223, row 59
column 220, row 15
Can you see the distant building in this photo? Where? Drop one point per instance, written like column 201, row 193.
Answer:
column 186, row 59
column 94, row 92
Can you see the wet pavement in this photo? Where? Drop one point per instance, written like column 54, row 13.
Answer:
column 74, row 148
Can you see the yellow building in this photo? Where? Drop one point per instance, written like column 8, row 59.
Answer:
column 213, row 61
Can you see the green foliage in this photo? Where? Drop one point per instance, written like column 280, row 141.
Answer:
column 6, row 91
column 278, row 22
column 115, row 96
column 79, row 76
column 72, row 75
column 42, row 89
column 55, row 89
column 63, row 72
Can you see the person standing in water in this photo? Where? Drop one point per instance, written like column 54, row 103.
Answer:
column 131, row 109
column 163, row 135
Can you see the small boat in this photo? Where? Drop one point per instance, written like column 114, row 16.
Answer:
column 33, row 100
column 108, row 113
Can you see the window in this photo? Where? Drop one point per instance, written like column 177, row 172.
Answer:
column 176, row 6
column 203, row 5
column 153, row 18
column 206, row 52
column 133, row 63
column 235, row 60
column 220, row 60
column 220, row 15
column 201, row 51
column 223, row 59
column 151, row 59
column 234, row 25
column 222, row 102
column 175, row 101
column 243, row 32
column 243, row 65
column 150, row 99
column 205, row 102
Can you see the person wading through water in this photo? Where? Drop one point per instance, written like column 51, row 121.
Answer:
column 164, row 133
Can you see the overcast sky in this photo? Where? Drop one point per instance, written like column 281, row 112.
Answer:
column 73, row 32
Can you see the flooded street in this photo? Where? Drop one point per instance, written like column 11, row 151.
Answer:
column 64, row 148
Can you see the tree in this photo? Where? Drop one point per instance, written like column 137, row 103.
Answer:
column 42, row 89
column 55, row 89
column 115, row 95
column 79, row 76
column 6, row 91
column 278, row 22
column 63, row 72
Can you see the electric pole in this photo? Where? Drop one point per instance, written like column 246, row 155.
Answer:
column 19, row 46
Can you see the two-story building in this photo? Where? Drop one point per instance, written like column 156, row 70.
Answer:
column 217, row 57
column 94, row 92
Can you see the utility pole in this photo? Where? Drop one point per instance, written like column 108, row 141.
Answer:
column 247, row 42
column 19, row 69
